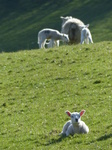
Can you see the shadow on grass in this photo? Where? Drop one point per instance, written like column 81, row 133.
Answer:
column 54, row 141
column 102, row 138
column 50, row 141
column 105, row 137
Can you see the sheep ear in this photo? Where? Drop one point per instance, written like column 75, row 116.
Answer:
column 87, row 25
column 68, row 113
column 61, row 17
column 82, row 112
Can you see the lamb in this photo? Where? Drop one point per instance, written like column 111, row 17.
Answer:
column 86, row 35
column 72, row 28
column 75, row 125
column 53, row 35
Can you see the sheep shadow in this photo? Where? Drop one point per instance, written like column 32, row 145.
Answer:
column 54, row 141
column 105, row 137
column 102, row 138
column 51, row 141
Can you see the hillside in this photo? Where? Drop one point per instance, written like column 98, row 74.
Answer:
column 38, row 86
column 21, row 20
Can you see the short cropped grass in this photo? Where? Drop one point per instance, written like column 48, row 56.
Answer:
column 38, row 86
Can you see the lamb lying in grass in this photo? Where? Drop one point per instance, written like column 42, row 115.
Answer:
column 86, row 34
column 53, row 35
column 75, row 125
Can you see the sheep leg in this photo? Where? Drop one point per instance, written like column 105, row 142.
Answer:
column 82, row 40
column 52, row 43
column 87, row 40
column 90, row 40
column 40, row 44
column 57, row 43
column 43, row 44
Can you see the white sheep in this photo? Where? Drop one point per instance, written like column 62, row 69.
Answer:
column 53, row 35
column 85, row 35
column 75, row 125
column 72, row 27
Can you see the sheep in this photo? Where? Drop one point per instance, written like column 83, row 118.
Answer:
column 75, row 125
column 54, row 35
column 72, row 28
column 86, row 35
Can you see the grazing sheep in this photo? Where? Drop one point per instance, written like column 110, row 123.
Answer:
column 52, row 34
column 72, row 28
column 86, row 35
column 75, row 125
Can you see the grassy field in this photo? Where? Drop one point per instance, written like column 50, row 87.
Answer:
column 20, row 21
column 38, row 86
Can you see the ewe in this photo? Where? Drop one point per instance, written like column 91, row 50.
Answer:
column 75, row 125
column 53, row 35
column 71, row 26
column 86, row 35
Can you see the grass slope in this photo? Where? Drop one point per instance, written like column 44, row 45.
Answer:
column 20, row 21
column 38, row 86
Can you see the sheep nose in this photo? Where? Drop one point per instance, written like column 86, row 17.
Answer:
column 76, row 120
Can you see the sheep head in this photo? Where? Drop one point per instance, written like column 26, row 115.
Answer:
column 75, row 116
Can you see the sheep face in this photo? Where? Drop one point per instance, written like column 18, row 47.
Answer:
column 75, row 116
column 65, row 38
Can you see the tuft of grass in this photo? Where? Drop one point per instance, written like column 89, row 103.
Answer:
column 38, row 86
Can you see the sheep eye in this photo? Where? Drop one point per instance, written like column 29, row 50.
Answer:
column 71, row 116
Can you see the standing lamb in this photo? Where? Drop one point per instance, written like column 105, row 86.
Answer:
column 53, row 35
column 72, row 28
column 75, row 125
column 86, row 35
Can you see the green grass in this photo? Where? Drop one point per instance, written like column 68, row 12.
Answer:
column 38, row 86
column 21, row 21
